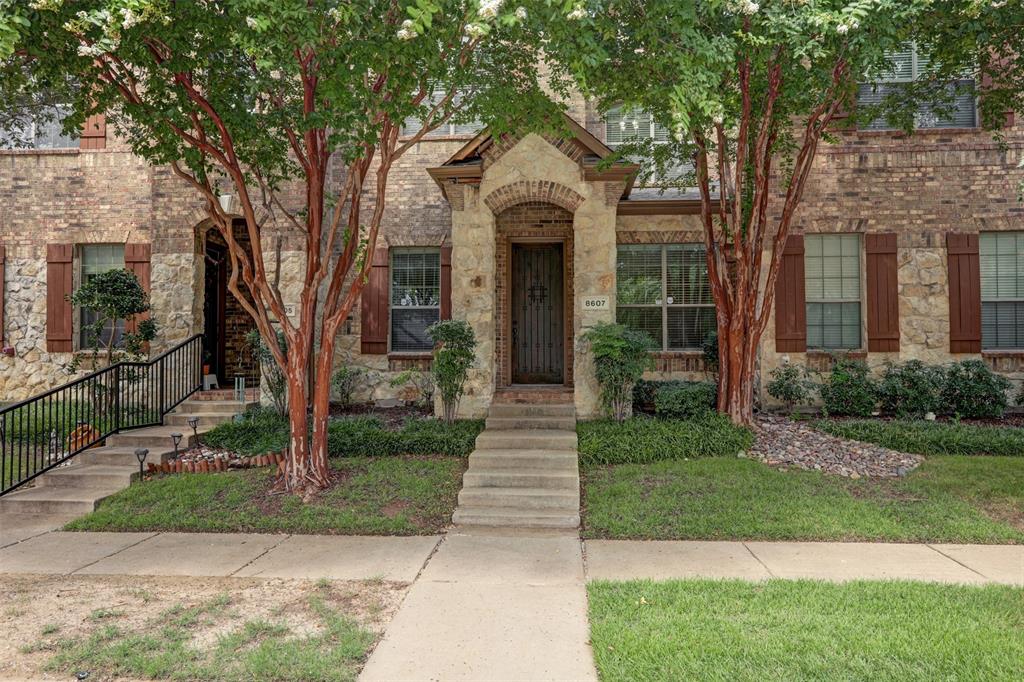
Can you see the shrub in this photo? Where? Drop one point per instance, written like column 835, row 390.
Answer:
column 972, row 390
column 644, row 391
column 113, row 297
column 849, row 390
column 685, row 400
column 420, row 385
column 1020, row 396
column 930, row 438
column 641, row 439
column 911, row 390
column 346, row 381
column 789, row 385
column 621, row 356
column 454, row 352
column 259, row 431
column 710, row 351
column 273, row 378
column 367, row 437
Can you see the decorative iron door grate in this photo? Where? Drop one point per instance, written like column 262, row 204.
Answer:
column 538, row 314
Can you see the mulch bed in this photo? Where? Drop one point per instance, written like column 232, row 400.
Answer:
column 393, row 418
column 780, row 442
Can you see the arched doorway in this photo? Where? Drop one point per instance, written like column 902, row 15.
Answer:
column 225, row 322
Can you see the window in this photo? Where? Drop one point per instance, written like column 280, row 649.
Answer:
column 95, row 259
column 32, row 134
column 957, row 110
column 625, row 126
column 412, row 125
column 415, row 298
column 832, row 281
column 663, row 290
column 1001, row 260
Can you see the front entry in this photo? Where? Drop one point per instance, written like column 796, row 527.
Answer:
column 538, row 314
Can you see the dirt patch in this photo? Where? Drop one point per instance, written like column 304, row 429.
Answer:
column 38, row 611
column 393, row 418
column 393, row 509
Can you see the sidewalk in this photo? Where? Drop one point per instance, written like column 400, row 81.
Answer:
column 495, row 606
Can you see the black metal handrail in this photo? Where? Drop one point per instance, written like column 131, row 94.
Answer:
column 44, row 431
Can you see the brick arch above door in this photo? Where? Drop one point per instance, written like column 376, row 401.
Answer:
column 526, row 191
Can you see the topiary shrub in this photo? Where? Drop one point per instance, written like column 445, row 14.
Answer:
column 789, row 385
column 454, row 353
column 685, row 400
column 621, row 356
column 911, row 390
column 849, row 390
column 974, row 391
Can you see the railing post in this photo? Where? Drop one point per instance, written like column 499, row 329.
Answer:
column 117, row 397
column 161, row 380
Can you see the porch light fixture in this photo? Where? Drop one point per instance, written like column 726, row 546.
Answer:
column 140, row 454
column 225, row 202
column 175, row 438
column 194, row 423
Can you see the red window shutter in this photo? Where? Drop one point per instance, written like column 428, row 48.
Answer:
column 446, row 282
column 59, row 281
column 374, row 306
column 3, row 292
column 883, row 293
column 790, row 304
column 94, row 133
column 137, row 258
column 964, row 293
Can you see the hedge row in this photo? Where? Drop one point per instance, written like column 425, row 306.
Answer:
column 641, row 439
column 930, row 438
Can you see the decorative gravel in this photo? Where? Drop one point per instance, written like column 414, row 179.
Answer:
column 784, row 443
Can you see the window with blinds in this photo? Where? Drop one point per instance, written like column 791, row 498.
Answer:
column 93, row 260
column 1001, row 261
column 412, row 125
column 663, row 290
column 625, row 126
column 415, row 298
column 832, row 290
column 32, row 134
column 957, row 107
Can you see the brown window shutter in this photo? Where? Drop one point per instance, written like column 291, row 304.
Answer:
column 964, row 293
column 3, row 292
column 373, row 324
column 59, row 281
column 94, row 133
column 986, row 84
column 446, row 282
column 883, row 293
column 790, row 304
column 137, row 258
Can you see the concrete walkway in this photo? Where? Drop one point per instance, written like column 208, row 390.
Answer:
column 492, row 606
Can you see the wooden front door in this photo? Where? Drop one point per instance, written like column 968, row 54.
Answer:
column 538, row 314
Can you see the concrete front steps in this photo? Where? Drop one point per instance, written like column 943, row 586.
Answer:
column 524, row 472
column 98, row 473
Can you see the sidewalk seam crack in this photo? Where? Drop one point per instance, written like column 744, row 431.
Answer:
column 115, row 553
column 758, row 560
column 259, row 556
column 956, row 561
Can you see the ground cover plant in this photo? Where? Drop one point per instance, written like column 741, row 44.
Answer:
column 946, row 499
column 368, row 496
column 805, row 630
column 930, row 438
column 643, row 439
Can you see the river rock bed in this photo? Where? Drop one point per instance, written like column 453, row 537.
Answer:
column 781, row 442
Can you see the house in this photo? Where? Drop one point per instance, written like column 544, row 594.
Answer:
column 906, row 247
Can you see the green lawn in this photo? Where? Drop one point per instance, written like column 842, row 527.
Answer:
column 947, row 499
column 803, row 630
column 930, row 438
column 372, row 496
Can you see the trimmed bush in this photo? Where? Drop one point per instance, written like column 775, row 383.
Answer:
column 621, row 356
column 261, row 430
column 911, row 390
column 685, row 400
column 974, row 391
column 645, row 390
column 640, row 440
column 930, row 438
column 849, row 391
column 789, row 385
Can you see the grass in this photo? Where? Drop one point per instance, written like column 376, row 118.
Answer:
column 643, row 439
column 947, row 499
column 930, row 438
column 372, row 496
column 803, row 630
column 251, row 650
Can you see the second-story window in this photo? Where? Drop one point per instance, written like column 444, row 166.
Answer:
column 625, row 126
column 957, row 109
column 412, row 125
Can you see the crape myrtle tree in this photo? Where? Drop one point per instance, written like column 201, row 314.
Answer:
column 748, row 90
column 262, row 98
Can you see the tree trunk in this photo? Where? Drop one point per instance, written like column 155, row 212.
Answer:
column 737, row 356
column 304, row 473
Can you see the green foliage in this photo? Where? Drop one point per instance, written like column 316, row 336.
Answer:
column 454, row 353
column 421, row 384
column 911, row 390
column 1020, row 396
column 931, row 438
column 621, row 356
column 259, row 431
column 710, row 350
column 345, row 381
column 685, row 400
column 789, row 384
column 367, row 437
column 850, row 390
column 273, row 378
column 642, row 439
column 972, row 390
column 114, row 297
